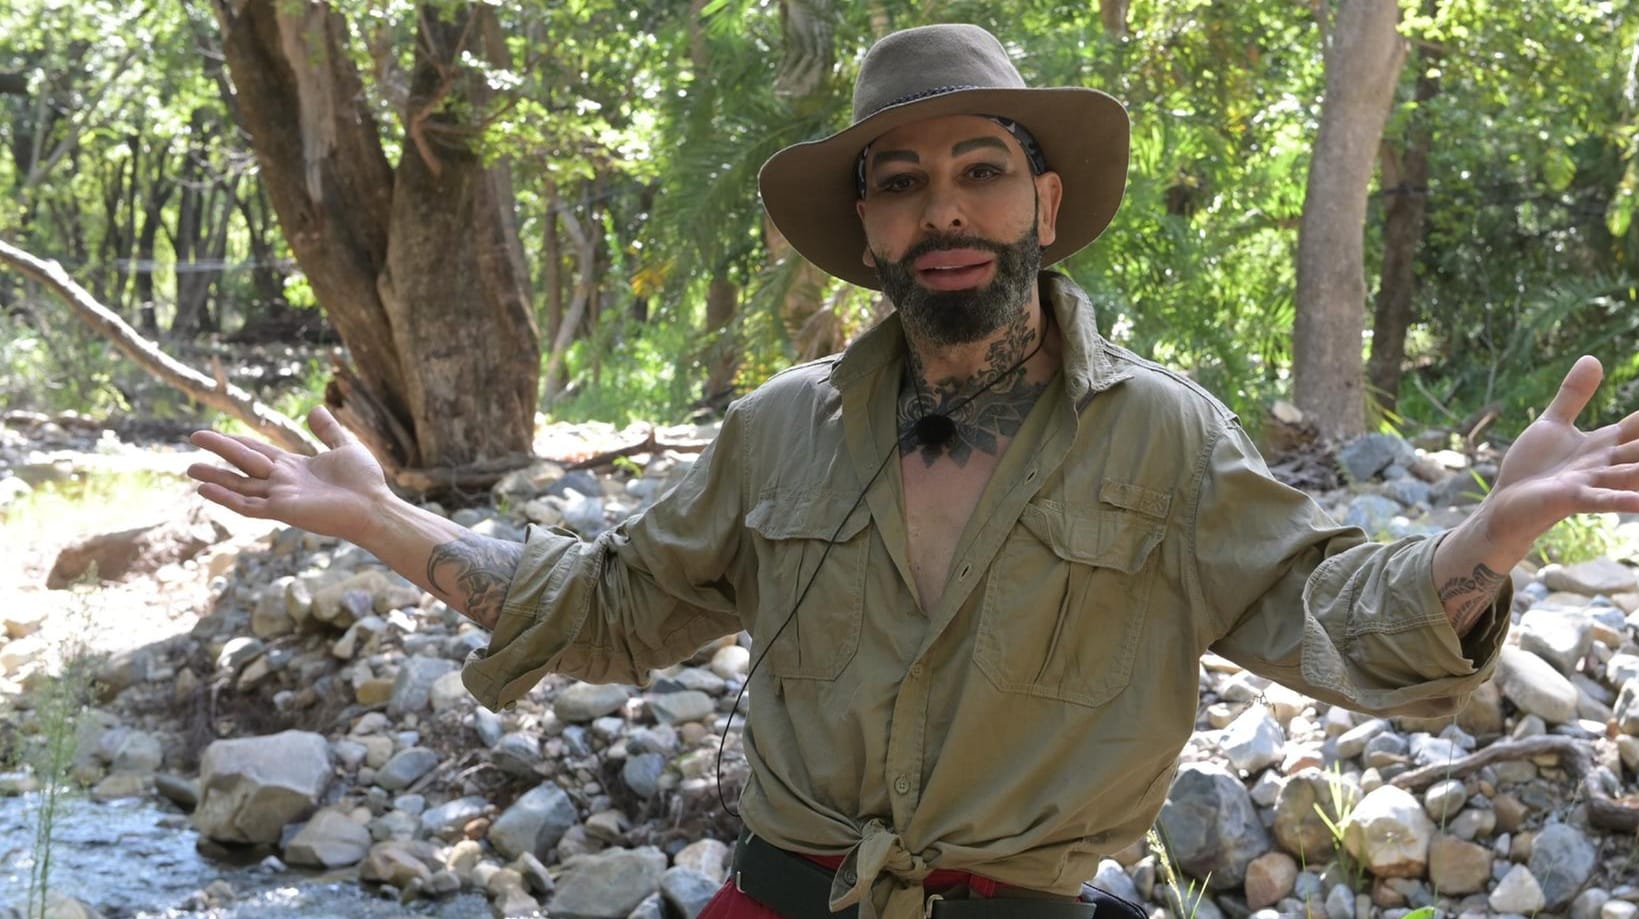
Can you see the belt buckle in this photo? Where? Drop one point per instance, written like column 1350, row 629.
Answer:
column 927, row 905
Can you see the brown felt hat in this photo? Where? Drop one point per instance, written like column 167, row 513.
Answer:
column 930, row 72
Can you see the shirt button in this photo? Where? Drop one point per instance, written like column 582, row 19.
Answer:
column 902, row 785
column 916, row 669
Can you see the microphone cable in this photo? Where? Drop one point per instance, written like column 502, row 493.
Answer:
column 933, row 430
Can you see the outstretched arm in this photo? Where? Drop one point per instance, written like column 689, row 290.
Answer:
column 1552, row 472
column 342, row 492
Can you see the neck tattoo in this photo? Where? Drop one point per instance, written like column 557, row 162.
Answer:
column 984, row 409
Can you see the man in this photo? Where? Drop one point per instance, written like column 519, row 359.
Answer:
column 982, row 551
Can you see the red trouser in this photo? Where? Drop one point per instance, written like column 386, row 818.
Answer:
column 730, row 903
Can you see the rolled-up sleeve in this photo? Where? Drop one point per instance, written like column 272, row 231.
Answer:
column 1320, row 608
column 646, row 594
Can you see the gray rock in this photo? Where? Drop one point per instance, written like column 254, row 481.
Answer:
column 1340, row 902
column 1372, row 513
column 138, row 752
column 1427, row 750
column 578, row 703
column 1602, row 576
column 251, row 787
column 1517, row 892
column 413, row 685
column 1212, row 825
column 395, row 862
column 1389, row 833
column 447, row 819
column 1626, row 711
column 608, row 885
column 1444, row 799
column 535, row 822
column 1589, row 902
column 405, row 767
column 517, row 753
column 1562, row 861
column 1366, row 456
column 180, row 791
column 686, row 891
column 1386, row 749
column 1253, row 741
column 1351, row 744
column 487, row 725
column 707, row 856
column 1111, row 877
column 1408, row 491
column 1560, row 637
column 329, row 840
column 679, row 707
column 448, row 692
column 1621, row 668
column 642, row 774
column 1535, row 686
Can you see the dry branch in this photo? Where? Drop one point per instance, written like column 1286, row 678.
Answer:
column 1603, row 811
column 219, row 394
column 648, row 444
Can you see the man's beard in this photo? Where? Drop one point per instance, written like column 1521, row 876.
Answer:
column 942, row 318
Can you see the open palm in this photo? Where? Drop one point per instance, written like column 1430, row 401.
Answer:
column 330, row 493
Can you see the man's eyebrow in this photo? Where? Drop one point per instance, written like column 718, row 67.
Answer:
column 894, row 156
column 978, row 143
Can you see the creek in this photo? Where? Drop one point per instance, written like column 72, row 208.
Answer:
column 135, row 859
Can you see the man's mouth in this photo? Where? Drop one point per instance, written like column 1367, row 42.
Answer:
column 954, row 269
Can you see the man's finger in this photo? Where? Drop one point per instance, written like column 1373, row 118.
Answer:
column 233, row 450
column 226, row 478
column 329, row 430
column 233, row 501
column 1575, row 391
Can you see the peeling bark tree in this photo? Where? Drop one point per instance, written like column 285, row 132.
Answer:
column 417, row 266
column 1363, row 58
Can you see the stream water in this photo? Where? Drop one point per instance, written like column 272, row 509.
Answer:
column 136, row 858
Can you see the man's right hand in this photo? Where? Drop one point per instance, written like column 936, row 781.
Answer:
column 337, row 493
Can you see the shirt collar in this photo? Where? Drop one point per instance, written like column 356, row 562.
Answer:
column 1087, row 364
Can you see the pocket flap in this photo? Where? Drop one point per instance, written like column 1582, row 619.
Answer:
column 1104, row 539
column 808, row 515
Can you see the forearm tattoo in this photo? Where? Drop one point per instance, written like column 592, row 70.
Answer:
column 983, row 423
column 1467, row 598
column 480, row 570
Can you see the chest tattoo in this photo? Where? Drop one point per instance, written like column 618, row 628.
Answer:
column 983, row 422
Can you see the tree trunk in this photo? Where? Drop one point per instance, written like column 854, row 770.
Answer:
column 1113, row 13
column 1363, row 61
column 1405, row 186
column 810, row 55
column 722, row 357
column 419, row 271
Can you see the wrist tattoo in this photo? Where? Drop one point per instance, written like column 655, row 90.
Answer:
column 1466, row 598
column 481, row 570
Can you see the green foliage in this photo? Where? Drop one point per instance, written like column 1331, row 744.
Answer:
column 1581, row 538
column 1184, row 894
column 643, row 125
column 1343, row 798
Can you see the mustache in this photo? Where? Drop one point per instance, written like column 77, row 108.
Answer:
column 954, row 241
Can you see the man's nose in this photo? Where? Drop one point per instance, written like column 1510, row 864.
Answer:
column 944, row 210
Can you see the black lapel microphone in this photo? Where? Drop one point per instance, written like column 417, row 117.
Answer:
column 935, row 430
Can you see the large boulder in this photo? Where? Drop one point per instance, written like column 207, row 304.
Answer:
column 608, row 885
column 329, row 840
column 1211, row 824
column 142, row 550
column 251, row 787
column 1389, row 833
column 535, row 822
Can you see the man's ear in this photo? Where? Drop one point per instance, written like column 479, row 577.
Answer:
column 866, row 256
column 1049, row 194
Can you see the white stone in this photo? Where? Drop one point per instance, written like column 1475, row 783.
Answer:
column 1517, row 892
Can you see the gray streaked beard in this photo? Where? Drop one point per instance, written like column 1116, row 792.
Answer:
column 942, row 318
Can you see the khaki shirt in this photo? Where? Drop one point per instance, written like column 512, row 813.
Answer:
column 1031, row 721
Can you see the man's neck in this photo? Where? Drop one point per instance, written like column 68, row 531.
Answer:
column 957, row 371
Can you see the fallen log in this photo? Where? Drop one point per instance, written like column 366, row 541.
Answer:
column 1604, row 812
column 260, row 417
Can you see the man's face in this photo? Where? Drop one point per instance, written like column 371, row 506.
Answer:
column 954, row 224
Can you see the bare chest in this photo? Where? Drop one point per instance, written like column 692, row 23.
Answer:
column 939, row 501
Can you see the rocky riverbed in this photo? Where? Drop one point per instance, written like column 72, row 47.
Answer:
column 291, row 713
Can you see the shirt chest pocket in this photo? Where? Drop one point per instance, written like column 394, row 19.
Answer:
column 1067, row 599
column 803, row 536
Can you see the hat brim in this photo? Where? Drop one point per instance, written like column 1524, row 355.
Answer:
column 808, row 188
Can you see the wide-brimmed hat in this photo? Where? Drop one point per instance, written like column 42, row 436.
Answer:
column 930, row 72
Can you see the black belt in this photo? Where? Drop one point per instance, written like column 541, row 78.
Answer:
column 797, row 888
